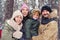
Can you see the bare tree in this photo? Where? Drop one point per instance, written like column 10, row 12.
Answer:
column 8, row 8
column 59, row 17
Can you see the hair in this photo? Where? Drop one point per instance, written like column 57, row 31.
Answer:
column 33, row 12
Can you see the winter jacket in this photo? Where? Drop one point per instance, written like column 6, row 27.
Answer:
column 31, row 28
column 11, row 30
column 48, row 31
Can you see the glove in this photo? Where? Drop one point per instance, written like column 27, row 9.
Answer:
column 17, row 34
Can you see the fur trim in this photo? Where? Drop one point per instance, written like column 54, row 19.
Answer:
column 13, row 24
column 17, row 34
column 17, row 13
column 54, row 13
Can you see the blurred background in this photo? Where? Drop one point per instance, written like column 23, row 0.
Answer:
column 8, row 6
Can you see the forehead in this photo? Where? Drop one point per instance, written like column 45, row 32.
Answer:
column 36, row 13
column 18, row 16
column 24, row 8
column 45, row 11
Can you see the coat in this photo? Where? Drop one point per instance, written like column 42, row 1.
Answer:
column 23, row 27
column 6, row 33
column 11, row 30
column 48, row 31
column 31, row 28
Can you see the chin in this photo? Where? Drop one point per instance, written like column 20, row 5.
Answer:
column 25, row 15
column 45, row 16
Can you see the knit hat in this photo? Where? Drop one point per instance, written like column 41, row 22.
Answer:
column 24, row 6
column 17, row 13
column 46, row 8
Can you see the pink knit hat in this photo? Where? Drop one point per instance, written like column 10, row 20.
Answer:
column 24, row 6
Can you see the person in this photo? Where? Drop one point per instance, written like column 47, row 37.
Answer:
column 48, row 29
column 25, row 11
column 11, row 30
column 31, row 25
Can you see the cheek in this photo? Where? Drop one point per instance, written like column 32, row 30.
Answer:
column 23, row 11
column 36, row 16
column 26, row 11
column 18, row 19
column 42, row 13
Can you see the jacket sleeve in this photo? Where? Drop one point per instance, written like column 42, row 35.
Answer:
column 6, row 34
column 51, row 30
column 35, row 29
column 27, row 28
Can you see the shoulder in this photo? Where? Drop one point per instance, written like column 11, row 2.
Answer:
column 53, row 22
column 29, row 20
column 6, row 25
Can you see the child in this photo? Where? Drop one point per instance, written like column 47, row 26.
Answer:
column 32, row 24
column 13, row 26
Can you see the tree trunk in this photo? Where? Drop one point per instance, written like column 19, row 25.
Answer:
column 59, row 17
column 9, row 8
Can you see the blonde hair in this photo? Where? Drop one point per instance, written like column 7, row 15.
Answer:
column 34, row 11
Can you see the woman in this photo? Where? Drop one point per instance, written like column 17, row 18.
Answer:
column 25, row 11
column 13, row 26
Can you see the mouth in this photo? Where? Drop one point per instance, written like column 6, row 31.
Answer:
column 45, row 14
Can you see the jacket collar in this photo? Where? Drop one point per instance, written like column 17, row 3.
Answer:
column 46, row 20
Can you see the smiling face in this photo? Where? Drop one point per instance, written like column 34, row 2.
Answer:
column 45, row 13
column 18, row 19
column 35, row 15
column 25, row 12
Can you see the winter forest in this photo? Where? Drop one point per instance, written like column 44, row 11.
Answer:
column 7, row 7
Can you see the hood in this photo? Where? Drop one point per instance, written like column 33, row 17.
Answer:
column 54, row 13
column 16, row 13
column 12, row 23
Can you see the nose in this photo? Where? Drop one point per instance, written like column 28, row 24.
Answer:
column 45, row 12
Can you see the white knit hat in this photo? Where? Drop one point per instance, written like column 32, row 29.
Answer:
column 17, row 13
